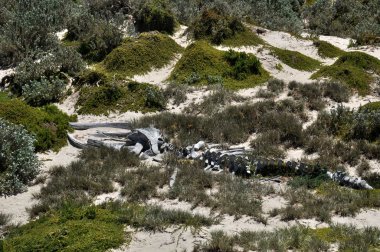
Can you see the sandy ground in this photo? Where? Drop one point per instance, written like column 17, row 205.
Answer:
column 6, row 72
column 158, row 76
column 343, row 43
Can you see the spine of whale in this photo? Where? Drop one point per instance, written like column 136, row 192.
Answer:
column 243, row 165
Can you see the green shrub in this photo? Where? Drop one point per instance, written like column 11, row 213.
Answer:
column 18, row 163
column 50, row 71
column 4, row 219
column 239, row 122
column 177, row 92
column 214, row 102
column 327, row 50
column 353, row 69
column 276, row 85
column 299, row 237
column 48, row 124
column 44, row 91
column 336, row 91
column 311, row 94
column 242, row 64
column 113, row 97
column 201, row 61
column 155, row 16
column 219, row 27
column 371, row 106
column 296, row 60
column 82, row 180
column 95, row 38
column 267, row 145
column 141, row 55
column 70, row 229
column 350, row 18
column 35, row 23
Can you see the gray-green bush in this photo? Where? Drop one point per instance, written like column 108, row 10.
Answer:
column 18, row 162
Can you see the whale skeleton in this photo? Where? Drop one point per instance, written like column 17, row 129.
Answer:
column 146, row 142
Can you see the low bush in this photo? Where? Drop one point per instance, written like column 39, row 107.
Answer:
column 242, row 64
column 4, row 219
column 48, row 124
column 95, row 228
column 141, row 184
column 311, row 94
column 50, row 70
column 267, row 145
column 177, row 92
column 219, row 27
column 330, row 199
column 70, row 229
column 84, row 179
column 354, row 69
column 201, row 63
column 234, row 196
column 327, row 50
column 94, row 38
column 217, row 100
column 141, row 55
column 295, row 59
column 336, row 91
column 354, row 19
column 347, row 238
column 276, row 85
column 44, row 91
column 239, row 122
column 116, row 97
column 155, row 16
column 18, row 163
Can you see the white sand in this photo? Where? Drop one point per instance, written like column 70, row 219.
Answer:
column 6, row 72
column 343, row 43
column 158, row 76
column 287, row 41
column 61, row 35
column 180, row 36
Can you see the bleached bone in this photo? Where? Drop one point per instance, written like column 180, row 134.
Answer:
column 85, row 126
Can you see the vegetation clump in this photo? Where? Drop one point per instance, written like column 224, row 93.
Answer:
column 48, row 124
column 18, row 163
column 354, row 19
column 327, row 50
column 219, row 28
column 43, row 78
column 120, row 97
column 354, row 69
column 140, row 55
column 201, row 64
column 330, row 199
column 296, row 60
column 347, row 238
column 155, row 16
column 95, row 228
